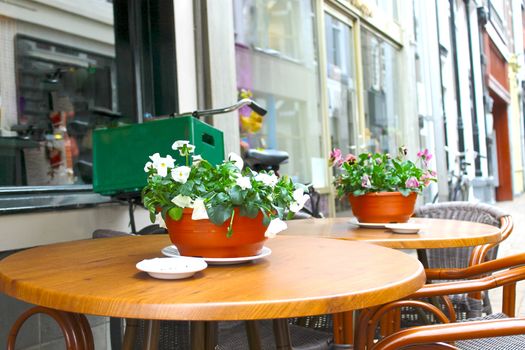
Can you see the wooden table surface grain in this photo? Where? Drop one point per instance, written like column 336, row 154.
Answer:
column 434, row 233
column 303, row 276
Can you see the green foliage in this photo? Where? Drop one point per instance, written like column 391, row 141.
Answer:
column 380, row 172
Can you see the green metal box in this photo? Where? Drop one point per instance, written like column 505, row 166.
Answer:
column 119, row 154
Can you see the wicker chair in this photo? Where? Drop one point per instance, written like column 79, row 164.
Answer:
column 473, row 305
column 497, row 331
column 231, row 335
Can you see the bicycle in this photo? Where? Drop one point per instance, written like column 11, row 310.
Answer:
column 458, row 184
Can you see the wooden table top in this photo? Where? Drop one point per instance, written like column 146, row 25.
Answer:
column 435, row 233
column 303, row 276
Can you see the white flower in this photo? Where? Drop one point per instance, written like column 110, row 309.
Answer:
column 179, row 144
column 196, row 159
column 199, row 210
column 275, row 226
column 236, row 159
column 300, row 198
column 182, row 201
column 181, row 174
column 159, row 220
column 184, row 147
column 243, row 182
column 147, row 166
column 268, row 180
column 162, row 164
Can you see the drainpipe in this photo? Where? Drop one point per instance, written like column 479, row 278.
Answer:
column 461, row 136
column 475, row 127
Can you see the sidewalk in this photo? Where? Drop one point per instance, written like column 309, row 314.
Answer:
column 513, row 245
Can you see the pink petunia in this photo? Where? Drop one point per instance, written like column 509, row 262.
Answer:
column 365, row 181
column 350, row 158
column 336, row 157
column 412, row 183
column 425, row 155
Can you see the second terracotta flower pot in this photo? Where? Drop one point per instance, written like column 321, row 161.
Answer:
column 205, row 239
column 383, row 207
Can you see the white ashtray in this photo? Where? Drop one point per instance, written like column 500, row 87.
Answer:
column 404, row 227
column 172, row 268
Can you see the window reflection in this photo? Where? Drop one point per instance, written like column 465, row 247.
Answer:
column 381, row 97
column 276, row 59
column 63, row 94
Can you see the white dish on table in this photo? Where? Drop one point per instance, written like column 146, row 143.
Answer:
column 368, row 224
column 172, row 268
column 404, row 227
column 172, row 251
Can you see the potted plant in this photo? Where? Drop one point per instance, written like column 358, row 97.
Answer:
column 218, row 211
column 382, row 188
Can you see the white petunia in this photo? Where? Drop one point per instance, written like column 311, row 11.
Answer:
column 268, row 180
column 162, row 164
column 148, row 166
column 182, row 201
column 179, row 144
column 184, row 147
column 196, row 159
column 199, row 210
column 275, row 226
column 243, row 182
column 181, row 174
column 300, row 198
column 236, row 159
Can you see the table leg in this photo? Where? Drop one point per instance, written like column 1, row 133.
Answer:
column 281, row 331
column 203, row 335
column 254, row 335
column 130, row 334
column 422, row 257
column 151, row 336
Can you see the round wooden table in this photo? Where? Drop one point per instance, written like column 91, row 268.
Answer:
column 434, row 233
column 303, row 276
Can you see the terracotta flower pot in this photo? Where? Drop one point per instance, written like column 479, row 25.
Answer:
column 383, row 207
column 205, row 239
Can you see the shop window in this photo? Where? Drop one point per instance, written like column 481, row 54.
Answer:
column 63, row 93
column 277, row 65
column 383, row 132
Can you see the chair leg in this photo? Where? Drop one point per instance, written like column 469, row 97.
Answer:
column 203, row 335
column 281, row 330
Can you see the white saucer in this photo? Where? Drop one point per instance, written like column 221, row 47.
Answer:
column 368, row 224
column 404, row 227
column 171, row 268
column 172, row 251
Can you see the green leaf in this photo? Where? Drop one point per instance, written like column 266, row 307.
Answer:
column 175, row 213
column 152, row 217
column 219, row 213
column 266, row 220
column 250, row 210
column 358, row 193
column 236, row 195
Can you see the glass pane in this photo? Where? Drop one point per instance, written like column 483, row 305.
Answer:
column 383, row 131
column 342, row 107
column 276, row 58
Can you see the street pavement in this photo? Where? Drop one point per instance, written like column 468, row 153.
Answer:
column 513, row 245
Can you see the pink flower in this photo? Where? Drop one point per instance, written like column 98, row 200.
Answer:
column 365, row 181
column 412, row 183
column 425, row 155
column 336, row 157
column 350, row 158
column 427, row 177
